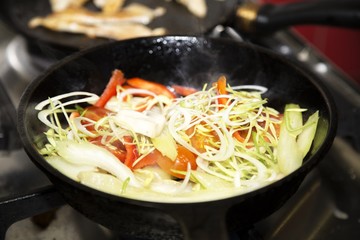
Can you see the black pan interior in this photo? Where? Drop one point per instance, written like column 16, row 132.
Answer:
column 189, row 61
column 177, row 20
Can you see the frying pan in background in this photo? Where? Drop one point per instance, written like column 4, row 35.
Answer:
column 177, row 20
column 190, row 61
column 247, row 18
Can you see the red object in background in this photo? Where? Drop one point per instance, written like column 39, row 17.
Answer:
column 340, row 45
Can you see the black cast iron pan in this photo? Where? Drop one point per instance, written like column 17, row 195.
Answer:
column 189, row 61
column 247, row 17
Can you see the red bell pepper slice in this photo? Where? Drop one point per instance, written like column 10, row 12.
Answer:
column 154, row 87
column 181, row 162
column 148, row 160
column 118, row 149
column 131, row 152
column 183, row 91
column 116, row 79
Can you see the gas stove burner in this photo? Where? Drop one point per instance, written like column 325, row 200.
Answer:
column 22, row 63
column 20, row 60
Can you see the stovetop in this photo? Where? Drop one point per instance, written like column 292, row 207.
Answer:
column 325, row 207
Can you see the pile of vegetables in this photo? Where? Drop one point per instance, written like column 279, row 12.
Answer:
column 145, row 140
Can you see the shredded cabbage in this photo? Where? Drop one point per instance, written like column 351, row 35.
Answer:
column 239, row 146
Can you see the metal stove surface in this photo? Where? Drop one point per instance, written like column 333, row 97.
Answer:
column 325, row 207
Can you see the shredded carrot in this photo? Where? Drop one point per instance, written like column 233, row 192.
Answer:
column 221, row 89
column 238, row 136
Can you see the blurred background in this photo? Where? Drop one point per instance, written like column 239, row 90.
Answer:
column 340, row 45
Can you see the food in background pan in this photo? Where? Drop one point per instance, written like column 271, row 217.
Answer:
column 60, row 5
column 112, row 20
column 140, row 139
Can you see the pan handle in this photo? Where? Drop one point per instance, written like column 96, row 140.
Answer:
column 268, row 18
column 16, row 208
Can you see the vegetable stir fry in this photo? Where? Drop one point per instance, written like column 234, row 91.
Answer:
column 145, row 140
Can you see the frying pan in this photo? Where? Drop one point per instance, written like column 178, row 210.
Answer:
column 190, row 61
column 246, row 17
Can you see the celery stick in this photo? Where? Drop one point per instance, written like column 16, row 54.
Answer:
column 293, row 118
column 306, row 137
column 295, row 138
column 289, row 155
